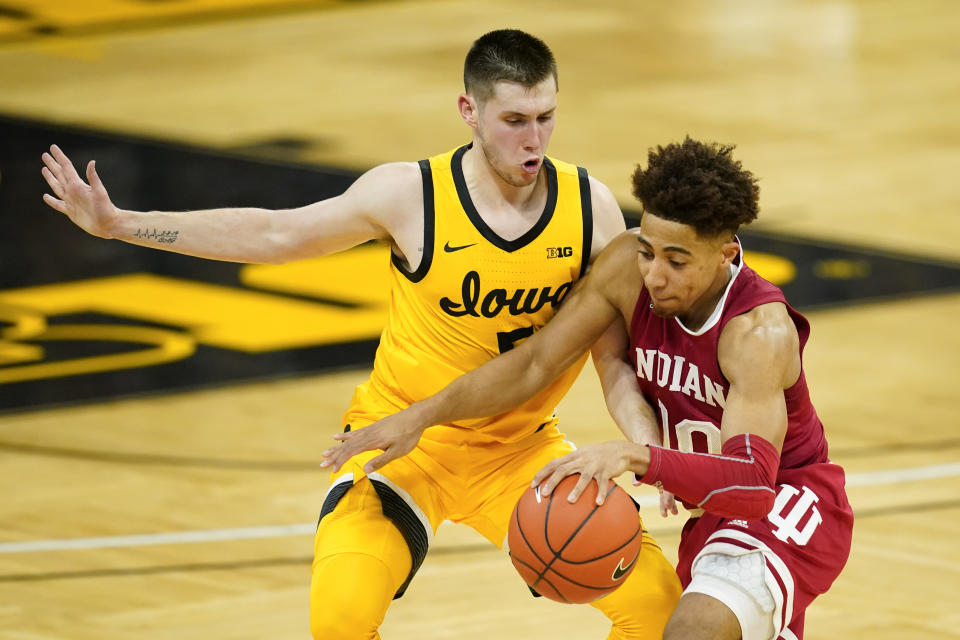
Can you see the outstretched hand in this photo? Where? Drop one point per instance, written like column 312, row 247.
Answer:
column 396, row 435
column 600, row 462
column 87, row 205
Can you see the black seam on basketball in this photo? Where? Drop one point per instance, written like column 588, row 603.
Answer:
column 546, row 536
column 556, row 591
column 558, row 554
column 517, row 560
column 609, row 553
column 524, row 537
column 585, row 586
column 580, row 526
column 529, row 546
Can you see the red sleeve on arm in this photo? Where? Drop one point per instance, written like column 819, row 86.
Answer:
column 738, row 483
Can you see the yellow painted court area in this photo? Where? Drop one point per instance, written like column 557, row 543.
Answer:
column 238, row 319
column 22, row 18
column 248, row 320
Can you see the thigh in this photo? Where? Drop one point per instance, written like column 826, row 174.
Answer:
column 402, row 493
column 357, row 524
column 361, row 561
column 499, row 479
column 419, row 480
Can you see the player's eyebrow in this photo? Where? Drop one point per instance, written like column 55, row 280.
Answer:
column 548, row 112
column 668, row 248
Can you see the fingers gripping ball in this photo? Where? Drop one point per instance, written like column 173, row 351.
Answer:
column 574, row 552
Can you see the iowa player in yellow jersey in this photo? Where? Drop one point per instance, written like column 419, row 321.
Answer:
column 487, row 241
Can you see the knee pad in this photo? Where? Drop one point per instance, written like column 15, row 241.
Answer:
column 739, row 582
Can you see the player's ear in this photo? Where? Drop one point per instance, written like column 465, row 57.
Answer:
column 469, row 109
column 729, row 251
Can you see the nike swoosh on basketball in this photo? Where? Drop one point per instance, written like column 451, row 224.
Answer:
column 621, row 570
column 450, row 249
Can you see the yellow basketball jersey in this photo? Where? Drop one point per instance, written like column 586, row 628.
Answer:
column 475, row 295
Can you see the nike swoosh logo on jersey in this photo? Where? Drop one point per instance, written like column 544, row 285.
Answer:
column 621, row 570
column 450, row 249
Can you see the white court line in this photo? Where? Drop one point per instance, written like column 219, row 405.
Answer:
column 147, row 539
column 893, row 476
column 871, row 478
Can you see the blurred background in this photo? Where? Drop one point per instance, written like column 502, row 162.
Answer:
column 161, row 417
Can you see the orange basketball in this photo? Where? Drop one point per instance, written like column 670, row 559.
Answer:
column 574, row 552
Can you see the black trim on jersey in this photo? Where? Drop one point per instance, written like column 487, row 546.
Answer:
column 456, row 167
column 395, row 508
column 428, row 229
column 333, row 498
column 399, row 512
column 586, row 209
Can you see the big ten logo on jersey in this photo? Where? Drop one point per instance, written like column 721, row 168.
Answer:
column 559, row 252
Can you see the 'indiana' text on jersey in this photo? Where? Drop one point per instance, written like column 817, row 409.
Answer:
column 475, row 294
column 674, row 373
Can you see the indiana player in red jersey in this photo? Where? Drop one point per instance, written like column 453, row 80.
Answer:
column 717, row 353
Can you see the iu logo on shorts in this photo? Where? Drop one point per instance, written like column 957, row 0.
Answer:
column 787, row 514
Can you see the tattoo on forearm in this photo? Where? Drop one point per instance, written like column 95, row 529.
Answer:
column 167, row 237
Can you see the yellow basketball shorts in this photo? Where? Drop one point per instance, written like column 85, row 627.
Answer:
column 450, row 476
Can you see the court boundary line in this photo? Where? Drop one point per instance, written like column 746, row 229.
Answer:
column 863, row 479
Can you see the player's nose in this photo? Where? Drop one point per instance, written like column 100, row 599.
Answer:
column 532, row 138
column 655, row 277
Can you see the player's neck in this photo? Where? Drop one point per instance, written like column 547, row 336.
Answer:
column 705, row 306
column 491, row 192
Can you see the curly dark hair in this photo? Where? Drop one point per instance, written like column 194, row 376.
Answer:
column 506, row 55
column 697, row 184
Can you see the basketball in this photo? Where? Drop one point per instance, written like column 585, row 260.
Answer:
column 577, row 552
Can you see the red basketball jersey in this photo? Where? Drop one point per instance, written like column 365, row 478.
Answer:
column 806, row 537
column 680, row 376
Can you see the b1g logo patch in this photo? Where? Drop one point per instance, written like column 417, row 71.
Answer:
column 559, row 252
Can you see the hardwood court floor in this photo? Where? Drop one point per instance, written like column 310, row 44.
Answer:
column 846, row 109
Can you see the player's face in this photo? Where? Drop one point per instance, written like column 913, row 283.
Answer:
column 683, row 273
column 513, row 129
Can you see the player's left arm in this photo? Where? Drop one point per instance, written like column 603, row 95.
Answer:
column 626, row 405
column 759, row 354
column 629, row 409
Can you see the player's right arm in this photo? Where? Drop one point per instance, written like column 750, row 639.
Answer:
column 509, row 379
column 376, row 206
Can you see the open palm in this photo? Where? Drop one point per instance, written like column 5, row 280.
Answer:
column 87, row 205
